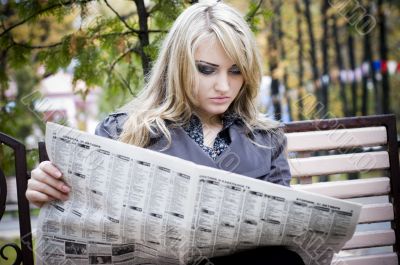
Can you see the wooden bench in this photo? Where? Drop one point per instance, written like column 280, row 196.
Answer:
column 337, row 146
column 361, row 144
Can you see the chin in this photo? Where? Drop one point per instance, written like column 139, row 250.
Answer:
column 217, row 111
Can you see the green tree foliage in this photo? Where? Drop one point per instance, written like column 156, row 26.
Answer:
column 17, row 118
column 19, row 77
column 103, row 39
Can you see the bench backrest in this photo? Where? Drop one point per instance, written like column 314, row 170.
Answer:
column 360, row 144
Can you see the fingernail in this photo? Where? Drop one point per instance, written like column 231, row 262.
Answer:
column 65, row 197
column 65, row 188
column 58, row 174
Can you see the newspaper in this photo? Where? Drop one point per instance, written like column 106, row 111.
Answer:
column 130, row 205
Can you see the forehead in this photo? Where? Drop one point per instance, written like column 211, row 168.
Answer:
column 211, row 51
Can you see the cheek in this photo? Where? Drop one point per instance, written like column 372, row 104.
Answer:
column 205, row 85
column 205, row 82
column 237, row 84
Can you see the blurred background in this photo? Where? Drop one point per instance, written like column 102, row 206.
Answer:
column 73, row 62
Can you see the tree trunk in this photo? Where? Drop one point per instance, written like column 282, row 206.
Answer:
column 7, row 12
column 273, row 63
column 300, row 103
column 283, row 57
column 325, row 81
column 3, row 86
column 383, row 52
column 143, row 35
column 366, row 77
column 352, row 61
column 339, row 62
column 313, row 52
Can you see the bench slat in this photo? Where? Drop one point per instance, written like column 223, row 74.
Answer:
column 333, row 164
column 371, row 239
column 349, row 188
column 376, row 213
column 334, row 139
column 385, row 258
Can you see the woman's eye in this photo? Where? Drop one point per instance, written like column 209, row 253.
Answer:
column 235, row 71
column 206, row 70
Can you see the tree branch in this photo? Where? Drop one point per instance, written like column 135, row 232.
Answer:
column 126, row 83
column 134, row 31
column 119, row 16
column 133, row 49
column 129, row 15
column 33, row 47
column 252, row 14
column 128, row 33
column 42, row 11
column 153, row 9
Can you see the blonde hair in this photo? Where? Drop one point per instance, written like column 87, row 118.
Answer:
column 168, row 95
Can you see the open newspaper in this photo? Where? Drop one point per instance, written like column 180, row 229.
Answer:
column 130, row 205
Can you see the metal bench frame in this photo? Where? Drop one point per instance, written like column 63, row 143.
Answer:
column 24, row 253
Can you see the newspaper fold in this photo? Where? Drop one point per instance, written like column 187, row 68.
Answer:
column 130, row 205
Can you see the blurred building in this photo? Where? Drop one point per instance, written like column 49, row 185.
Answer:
column 63, row 103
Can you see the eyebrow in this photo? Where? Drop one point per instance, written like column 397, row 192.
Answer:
column 212, row 64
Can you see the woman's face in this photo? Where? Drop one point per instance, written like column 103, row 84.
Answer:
column 219, row 77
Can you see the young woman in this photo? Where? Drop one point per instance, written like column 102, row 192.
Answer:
column 199, row 104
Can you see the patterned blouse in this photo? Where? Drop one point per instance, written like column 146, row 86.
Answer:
column 195, row 131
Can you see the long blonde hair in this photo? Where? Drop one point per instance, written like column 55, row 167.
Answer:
column 168, row 95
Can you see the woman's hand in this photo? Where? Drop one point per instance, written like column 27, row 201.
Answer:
column 46, row 185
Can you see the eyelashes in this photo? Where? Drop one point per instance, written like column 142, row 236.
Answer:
column 209, row 70
column 235, row 70
column 206, row 70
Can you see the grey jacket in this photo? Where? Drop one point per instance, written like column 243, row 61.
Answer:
column 242, row 156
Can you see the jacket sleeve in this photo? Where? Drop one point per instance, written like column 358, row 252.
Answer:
column 111, row 126
column 280, row 171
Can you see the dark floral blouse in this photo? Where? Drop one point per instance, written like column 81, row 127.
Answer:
column 195, row 131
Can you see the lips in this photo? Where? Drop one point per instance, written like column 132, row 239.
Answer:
column 219, row 99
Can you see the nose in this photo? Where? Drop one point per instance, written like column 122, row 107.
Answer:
column 222, row 83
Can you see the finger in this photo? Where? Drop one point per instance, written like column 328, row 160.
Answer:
column 46, row 189
column 42, row 176
column 38, row 198
column 50, row 169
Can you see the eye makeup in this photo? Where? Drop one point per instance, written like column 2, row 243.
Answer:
column 235, row 70
column 204, row 69
column 207, row 68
